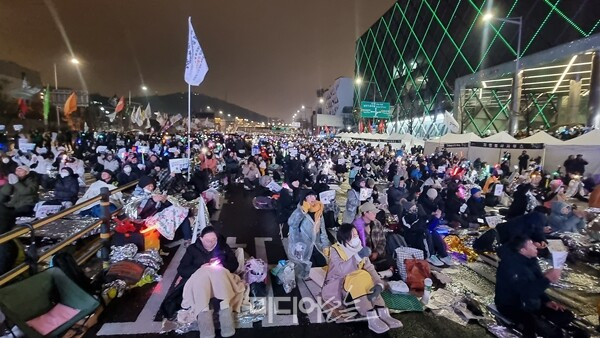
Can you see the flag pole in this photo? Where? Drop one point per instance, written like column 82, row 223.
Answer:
column 189, row 149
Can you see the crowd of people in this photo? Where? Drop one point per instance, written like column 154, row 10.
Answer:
column 397, row 197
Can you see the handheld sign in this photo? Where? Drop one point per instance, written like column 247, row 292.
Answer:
column 178, row 164
column 327, row 197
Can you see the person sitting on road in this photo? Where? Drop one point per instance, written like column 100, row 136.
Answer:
column 353, row 200
column 564, row 219
column 251, row 175
column 532, row 225
column 106, row 181
column 160, row 213
column 351, row 279
column 520, row 290
column 67, row 187
column 307, row 235
column 420, row 233
column 21, row 192
column 476, row 206
column 368, row 212
column 127, row 175
column 431, row 201
column 208, row 272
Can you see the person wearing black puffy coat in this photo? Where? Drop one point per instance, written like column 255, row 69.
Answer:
column 67, row 186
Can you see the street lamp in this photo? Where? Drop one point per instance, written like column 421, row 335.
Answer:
column 74, row 61
column 303, row 107
column 513, row 123
column 358, row 81
column 144, row 88
column 321, row 100
column 221, row 112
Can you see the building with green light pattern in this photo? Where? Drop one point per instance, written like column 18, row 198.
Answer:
column 413, row 56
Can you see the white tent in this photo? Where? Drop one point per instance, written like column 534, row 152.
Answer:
column 502, row 136
column 454, row 142
column 491, row 154
column 591, row 138
column 541, row 137
column 587, row 144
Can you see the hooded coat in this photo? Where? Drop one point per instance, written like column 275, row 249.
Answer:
column 564, row 223
column 67, row 188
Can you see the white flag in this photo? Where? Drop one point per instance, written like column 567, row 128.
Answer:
column 195, row 63
column 112, row 116
column 451, row 122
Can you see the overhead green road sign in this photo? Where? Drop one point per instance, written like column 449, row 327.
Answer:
column 375, row 110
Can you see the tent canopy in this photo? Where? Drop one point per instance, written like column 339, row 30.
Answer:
column 541, row 137
column 500, row 137
column 458, row 138
column 591, row 138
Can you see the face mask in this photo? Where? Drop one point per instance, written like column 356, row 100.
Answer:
column 5, row 160
column 127, row 170
column 147, row 191
column 354, row 242
column 64, row 174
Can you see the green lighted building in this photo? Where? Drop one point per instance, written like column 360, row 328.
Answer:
column 428, row 57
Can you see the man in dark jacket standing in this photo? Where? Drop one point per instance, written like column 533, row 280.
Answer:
column 520, row 291
column 523, row 161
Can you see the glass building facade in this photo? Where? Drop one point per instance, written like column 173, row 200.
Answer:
column 413, row 54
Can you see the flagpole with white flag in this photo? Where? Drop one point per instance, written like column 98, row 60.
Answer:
column 195, row 71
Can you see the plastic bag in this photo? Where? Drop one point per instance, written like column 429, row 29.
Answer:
column 286, row 275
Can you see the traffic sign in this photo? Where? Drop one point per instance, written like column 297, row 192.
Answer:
column 375, row 110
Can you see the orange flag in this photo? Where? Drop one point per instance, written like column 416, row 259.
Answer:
column 70, row 104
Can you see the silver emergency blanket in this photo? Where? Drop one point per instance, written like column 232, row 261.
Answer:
column 62, row 228
column 120, row 253
column 150, row 259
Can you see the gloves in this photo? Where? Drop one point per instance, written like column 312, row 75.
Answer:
column 374, row 292
column 364, row 252
column 12, row 179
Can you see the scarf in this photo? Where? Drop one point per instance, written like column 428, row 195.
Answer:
column 317, row 209
column 350, row 251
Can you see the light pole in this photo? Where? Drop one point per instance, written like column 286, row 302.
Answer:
column 74, row 61
column 513, row 123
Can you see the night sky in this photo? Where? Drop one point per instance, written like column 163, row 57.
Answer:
column 267, row 56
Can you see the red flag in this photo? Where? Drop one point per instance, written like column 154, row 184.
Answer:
column 120, row 105
column 369, row 128
column 361, row 126
column 381, row 126
column 22, row 108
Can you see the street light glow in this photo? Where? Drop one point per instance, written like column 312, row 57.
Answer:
column 221, row 112
column 488, row 16
column 74, row 61
column 303, row 107
column 321, row 101
column 207, row 107
column 144, row 88
column 358, row 81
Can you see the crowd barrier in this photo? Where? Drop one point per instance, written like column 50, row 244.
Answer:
column 103, row 243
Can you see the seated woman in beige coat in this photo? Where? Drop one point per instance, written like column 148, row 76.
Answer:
column 352, row 282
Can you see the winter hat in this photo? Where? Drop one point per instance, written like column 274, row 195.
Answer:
column 144, row 181
column 555, row 184
column 24, row 168
column 432, row 193
column 475, row 190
